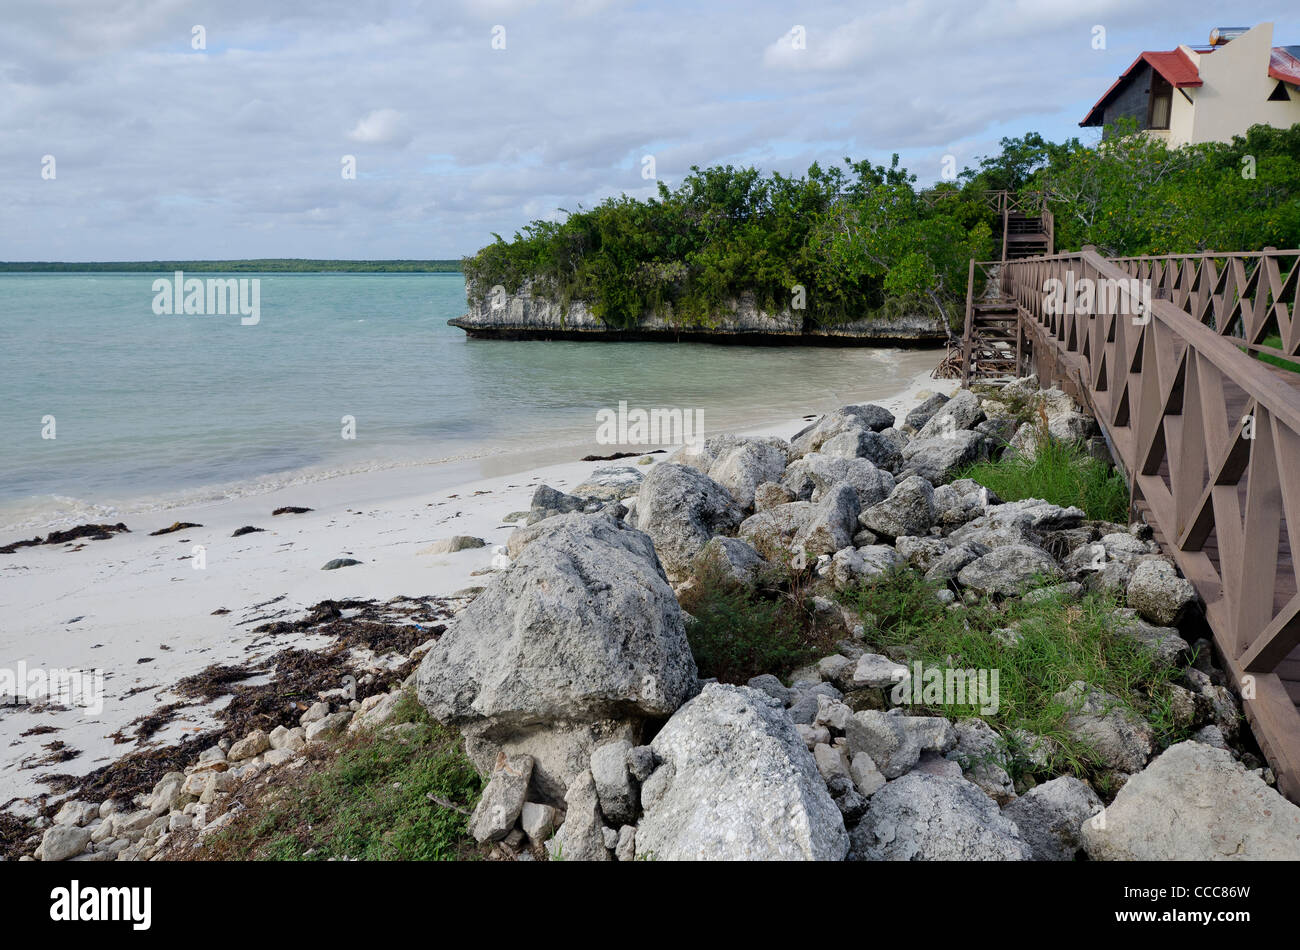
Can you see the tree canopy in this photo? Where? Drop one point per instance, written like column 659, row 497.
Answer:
column 854, row 240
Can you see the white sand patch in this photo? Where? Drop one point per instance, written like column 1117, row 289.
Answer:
column 115, row 602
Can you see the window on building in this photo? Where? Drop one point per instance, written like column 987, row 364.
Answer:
column 1162, row 100
column 1279, row 93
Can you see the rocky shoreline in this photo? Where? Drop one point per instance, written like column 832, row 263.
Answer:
column 572, row 679
column 523, row 316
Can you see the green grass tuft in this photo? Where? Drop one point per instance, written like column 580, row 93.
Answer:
column 1061, row 641
column 1274, row 340
column 1061, row 473
column 1023, row 405
column 370, row 802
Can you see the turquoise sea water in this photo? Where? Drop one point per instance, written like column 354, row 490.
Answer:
column 149, row 406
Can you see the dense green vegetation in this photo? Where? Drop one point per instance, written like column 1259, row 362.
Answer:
column 269, row 265
column 861, row 240
column 370, row 802
column 738, row 632
column 1135, row 196
column 855, row 239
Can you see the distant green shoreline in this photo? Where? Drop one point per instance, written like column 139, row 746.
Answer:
column 263, row 266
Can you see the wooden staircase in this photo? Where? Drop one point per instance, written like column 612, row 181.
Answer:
column 1025, row 236
column 991, row 345
column 992, row 342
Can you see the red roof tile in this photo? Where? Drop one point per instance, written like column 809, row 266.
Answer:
column 1174, row 65
column 1284, row 65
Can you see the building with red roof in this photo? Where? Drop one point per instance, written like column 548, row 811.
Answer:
column 1207, row 94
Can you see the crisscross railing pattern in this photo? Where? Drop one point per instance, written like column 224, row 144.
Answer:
column 1208, row 435
column 1249, row 297
column 1030, row 203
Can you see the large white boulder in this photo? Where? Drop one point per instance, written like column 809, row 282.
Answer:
column 581, row 637
column 737, row 463
column 736, row 782
column 814, row 475
column 869, row 416
column 681, row 509
column 1195, row 803
column 1050, row 816
column 925, row 817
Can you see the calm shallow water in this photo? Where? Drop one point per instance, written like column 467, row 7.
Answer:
column 151, row 407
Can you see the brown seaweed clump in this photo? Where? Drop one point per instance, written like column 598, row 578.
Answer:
column 174, row 527
column 87, row 532
column 297, row 677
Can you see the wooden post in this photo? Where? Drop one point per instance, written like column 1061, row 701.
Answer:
column 969, row 326
column 1020, row 337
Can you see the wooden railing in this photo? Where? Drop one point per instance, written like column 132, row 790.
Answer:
column 1250, row 297
column 1208, row 435
column 968, row 328
column 1029, row 203
column 1034, row 218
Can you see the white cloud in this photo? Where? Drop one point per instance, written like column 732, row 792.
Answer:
column 165, row 152
column 381, row 127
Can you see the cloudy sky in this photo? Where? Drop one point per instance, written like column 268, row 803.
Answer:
column 237, row 150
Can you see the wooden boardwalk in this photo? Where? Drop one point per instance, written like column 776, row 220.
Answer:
column 1166, row 356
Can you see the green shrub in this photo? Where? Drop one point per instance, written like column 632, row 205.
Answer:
column 863, row 242
column 1022, row 405
column 857, row 238
column 740, row 632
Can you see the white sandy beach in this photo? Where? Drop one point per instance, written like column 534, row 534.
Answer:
column 110, row 604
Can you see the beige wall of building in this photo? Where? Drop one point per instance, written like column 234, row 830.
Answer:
column 1234, row 94
column 1182, row 113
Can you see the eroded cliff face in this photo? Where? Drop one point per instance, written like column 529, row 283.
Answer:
column 523, row 316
